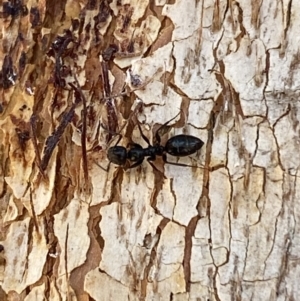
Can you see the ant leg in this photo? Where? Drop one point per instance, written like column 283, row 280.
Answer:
column 179, row 164
column 134, row 112
column 143, row 136
column 136, row 164
column 120, row 137
column 136, row 109
column 105, row 169
column 157, row 136
column 113, row 133
column 154, row 167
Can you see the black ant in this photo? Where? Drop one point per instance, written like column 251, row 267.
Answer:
column 179, row 146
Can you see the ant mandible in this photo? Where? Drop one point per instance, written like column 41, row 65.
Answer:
column 179, row 146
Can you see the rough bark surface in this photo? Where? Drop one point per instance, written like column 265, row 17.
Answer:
column 73, row 73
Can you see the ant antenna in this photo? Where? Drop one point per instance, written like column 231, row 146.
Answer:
column 134, row 112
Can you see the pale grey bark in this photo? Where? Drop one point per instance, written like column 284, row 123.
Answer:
column 227, row 230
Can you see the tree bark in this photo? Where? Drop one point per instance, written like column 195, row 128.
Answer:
column 75, row 74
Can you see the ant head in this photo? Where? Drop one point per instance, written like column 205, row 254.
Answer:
column 117, row 155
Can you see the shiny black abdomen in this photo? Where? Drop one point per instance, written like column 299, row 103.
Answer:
column 183, row 145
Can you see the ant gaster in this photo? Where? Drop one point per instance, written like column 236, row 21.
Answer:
column 179, row 146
